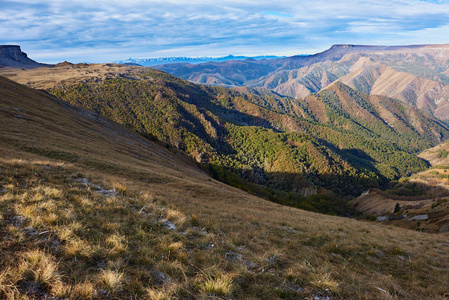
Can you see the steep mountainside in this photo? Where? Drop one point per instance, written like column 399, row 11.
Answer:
column 417, row 75
column 388, row 118
column 91, row 210
column 255, row 138
column 12, row 56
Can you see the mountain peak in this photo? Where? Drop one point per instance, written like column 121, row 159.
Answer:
column 336, row 85
column 343, row 46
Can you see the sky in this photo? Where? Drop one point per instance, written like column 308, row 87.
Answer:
column 53, row 31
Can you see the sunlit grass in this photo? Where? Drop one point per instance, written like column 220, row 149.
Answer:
column 72, row 242
column 220, row 285
column 111, row 280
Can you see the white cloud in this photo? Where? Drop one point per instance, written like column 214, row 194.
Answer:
column 87, row 30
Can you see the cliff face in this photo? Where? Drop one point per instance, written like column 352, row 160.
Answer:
column 12, row 56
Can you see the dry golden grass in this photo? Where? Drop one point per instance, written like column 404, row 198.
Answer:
column 62, row 237
column 83, row 290
column 121, row 188
column 221, row 285
column 177, row 217
column 158, row 294
column 111, row 280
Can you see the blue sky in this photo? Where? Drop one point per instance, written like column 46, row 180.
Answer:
column 107, row 30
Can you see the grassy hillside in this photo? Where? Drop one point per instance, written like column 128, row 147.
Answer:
column 89, row 209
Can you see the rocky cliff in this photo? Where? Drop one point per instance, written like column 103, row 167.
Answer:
column 12, row 56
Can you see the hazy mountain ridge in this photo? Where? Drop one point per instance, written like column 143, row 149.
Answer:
column 414, row 74
column 192, row 60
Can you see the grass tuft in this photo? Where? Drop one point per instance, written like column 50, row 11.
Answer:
column 325, row 282
column 158, row 294
column 111, row 280
column 40, row 267
column 121, row 188
column 84, row 290
column 175, row 216
column 221, row 285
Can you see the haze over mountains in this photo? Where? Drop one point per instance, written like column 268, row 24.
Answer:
column 192, row 60
column 413, row 74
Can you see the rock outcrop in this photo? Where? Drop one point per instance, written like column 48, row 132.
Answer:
column 12, row 56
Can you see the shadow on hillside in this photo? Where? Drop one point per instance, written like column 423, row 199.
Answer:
column 206, row 98
column 324, row 193
column 358, row 153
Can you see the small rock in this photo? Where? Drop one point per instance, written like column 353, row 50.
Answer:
column 321, row 298
column 380, row 253
column 101, row 293
column 29, row 230
column 18, row 221
column 252, row 266
column 294, row 287
column 54, row 245
column 272, row 260
column 232, row 256
column 101, row 264
column 160, row 278
column 420, row 217
column 444, row 228
column 293, row 230
column 169, row 225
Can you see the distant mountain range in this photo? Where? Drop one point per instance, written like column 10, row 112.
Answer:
column 191, row 60
column 417, row 74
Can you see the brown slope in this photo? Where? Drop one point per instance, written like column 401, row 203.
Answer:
column 36, row 122
column 437, row 156
column 377, row 73
column 65, row 74
column 380, row 79
column 220, row 231
column 299, row 83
